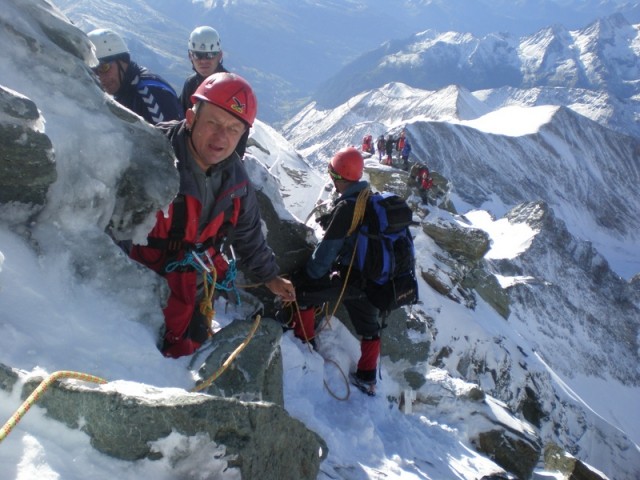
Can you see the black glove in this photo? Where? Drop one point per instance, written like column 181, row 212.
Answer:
column 324, row 220
column 299, row 278
column 302, row 281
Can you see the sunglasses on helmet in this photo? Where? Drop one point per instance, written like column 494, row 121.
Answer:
column 103, row 67
column 204, row 55
column 333, row 174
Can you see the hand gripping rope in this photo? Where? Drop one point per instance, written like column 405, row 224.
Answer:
column 35, row 395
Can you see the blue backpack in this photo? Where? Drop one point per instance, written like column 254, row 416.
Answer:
column 385, row 254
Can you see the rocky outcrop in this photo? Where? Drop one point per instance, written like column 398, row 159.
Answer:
column 260, row 438
column 27, row 166
column 557, row 460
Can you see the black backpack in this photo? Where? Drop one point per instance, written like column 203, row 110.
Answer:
column 385, row 254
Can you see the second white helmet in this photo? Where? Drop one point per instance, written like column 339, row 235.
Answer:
column 204, row 39
column 107, row 42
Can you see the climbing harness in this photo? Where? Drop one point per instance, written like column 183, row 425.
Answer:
column 193, row 259
column 35, row 395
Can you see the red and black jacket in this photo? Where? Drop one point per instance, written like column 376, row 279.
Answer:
column 234, row 219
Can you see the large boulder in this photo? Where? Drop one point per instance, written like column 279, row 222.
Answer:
column 260, row 438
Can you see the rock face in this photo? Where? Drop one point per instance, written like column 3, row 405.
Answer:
column 242, row 411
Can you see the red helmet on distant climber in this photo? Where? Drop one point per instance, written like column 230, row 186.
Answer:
column 230, row 92
column 347, row 164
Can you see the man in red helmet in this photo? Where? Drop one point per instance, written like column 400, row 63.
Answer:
column 215, row 207
column 316, row 284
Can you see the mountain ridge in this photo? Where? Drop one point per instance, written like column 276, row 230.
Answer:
column 602, row 57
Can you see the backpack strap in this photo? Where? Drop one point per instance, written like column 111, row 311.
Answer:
column 178, row 226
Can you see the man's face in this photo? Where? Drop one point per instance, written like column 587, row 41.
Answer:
column 205, row 63
column 215, row 133
column 109, row 75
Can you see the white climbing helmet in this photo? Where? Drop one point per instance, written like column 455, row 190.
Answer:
column 204, row 39
column 107, row 42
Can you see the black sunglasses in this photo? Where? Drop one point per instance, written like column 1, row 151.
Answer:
column 204, row 55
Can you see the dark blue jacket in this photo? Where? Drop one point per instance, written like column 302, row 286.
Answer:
column 192, row 82
column 335, row 246
column 148, row 95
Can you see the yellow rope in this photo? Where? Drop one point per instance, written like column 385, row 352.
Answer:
column 35, row 395
column 206, row 304
column 356, row 221
column 227, row 362
column 358, row 212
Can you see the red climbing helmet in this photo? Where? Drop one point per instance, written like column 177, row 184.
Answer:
column 347, row 164
column 230, row 92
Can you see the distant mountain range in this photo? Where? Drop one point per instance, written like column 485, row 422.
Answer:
column 597, row 66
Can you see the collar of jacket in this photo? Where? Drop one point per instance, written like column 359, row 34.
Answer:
column 353, row 190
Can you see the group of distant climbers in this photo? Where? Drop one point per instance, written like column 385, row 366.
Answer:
column 386, row 148
column 419, row 172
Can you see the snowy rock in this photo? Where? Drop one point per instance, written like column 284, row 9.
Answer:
column 555, row 459
column 469, row 243
column 261, row 439
column 112, row 173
